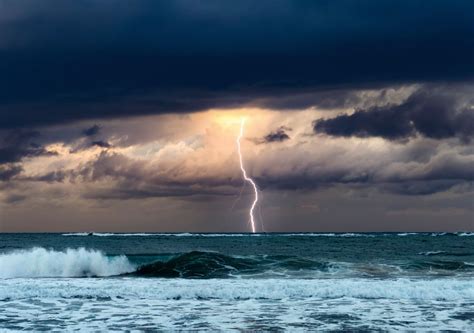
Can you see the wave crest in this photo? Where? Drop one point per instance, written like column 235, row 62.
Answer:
column 40, row 262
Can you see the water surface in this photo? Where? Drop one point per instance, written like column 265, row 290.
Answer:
column 350, row 281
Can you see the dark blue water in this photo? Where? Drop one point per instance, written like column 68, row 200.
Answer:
column 348, row 281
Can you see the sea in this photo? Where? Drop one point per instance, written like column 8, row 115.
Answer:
column 237, row 282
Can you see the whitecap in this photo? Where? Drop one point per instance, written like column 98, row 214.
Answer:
column 40, row 262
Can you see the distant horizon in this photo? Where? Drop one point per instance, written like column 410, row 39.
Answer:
column 72, row 233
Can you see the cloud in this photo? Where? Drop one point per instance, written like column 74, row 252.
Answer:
column 195, row 155
column 436, row 113
column 17, row 144
column 398, row 169
column 151, row 57
column 91, row 131
column 7, row 172
column 101, row 144
column 279, row 135
column 83, row 144
column 50, row 177
column 132, row 191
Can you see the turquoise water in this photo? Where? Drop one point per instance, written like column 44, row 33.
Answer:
column 374, row 281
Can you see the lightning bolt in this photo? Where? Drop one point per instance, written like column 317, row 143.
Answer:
column 247, row 178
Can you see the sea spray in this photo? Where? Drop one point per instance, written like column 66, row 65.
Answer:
column 81, row 262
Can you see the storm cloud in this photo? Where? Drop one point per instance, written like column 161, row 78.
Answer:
column 74, row 60
column 91, row 131
column 18, row 144
column 432, row 113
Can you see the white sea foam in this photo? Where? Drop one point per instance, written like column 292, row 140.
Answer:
column 187, row 234
column 115, row 304
column 111, row 234
column 39, row 262
column 304, row 234
column 76, row 234
column 431, row 253
column 145, row 234
column 233, row 289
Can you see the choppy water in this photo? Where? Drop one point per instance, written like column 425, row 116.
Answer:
column 359, row 282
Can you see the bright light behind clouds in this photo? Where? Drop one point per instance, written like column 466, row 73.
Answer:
column 181, row 173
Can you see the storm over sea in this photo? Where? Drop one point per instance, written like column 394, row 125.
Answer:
column 359, row 282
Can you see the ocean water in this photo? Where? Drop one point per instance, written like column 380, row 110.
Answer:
column 241, row 282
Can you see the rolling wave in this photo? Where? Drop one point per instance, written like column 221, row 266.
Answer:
column 197, row 264
column 40, row 262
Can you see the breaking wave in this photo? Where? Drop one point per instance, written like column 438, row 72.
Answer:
column 40, row 262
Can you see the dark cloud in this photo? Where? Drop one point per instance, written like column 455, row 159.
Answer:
column 7, row 172
column 277, row 136
column 432, row 113
column 91, row 131
column 81, row 60
column 17, row 144
column 15, row 154
column 102, row 144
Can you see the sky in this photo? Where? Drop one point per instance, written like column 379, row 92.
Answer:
column 123, row 115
